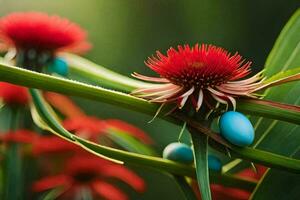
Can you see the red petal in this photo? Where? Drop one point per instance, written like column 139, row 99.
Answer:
column 126, row 175
column 63, row 104
column 51, row 182
column 13, row 94
column 109, row 192
column 225, row 193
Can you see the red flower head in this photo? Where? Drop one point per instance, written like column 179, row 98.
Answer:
column 34, row 38
column 200, row 73
column 93, row 173
column 41, row 32
column 13, row 94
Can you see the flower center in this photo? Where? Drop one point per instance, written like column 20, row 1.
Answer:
column 195, row 76
column 85, row 176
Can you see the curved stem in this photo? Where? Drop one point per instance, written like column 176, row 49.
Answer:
column 128, row 157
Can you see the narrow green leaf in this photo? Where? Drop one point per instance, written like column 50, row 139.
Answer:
column 52, row 194
column 41, row 108
column 200, row 144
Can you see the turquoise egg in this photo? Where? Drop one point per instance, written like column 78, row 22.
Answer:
column 236, row 128
column 179, row 152
column 58, row 66
column 214, row 163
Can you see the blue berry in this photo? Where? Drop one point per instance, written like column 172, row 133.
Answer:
column 236, row 128
column 179, row 152
column 214, row 163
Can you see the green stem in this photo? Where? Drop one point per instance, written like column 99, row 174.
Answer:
column 32, row 79
column 128, row 157
column 13, row 186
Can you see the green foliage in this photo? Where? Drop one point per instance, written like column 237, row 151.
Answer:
column 276, row 136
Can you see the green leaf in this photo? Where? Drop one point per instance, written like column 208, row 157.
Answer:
column 52, row 194
column 200, row 144
column 276, row 136
column 50, row 119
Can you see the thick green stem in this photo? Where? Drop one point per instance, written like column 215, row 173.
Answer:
column 74, row 88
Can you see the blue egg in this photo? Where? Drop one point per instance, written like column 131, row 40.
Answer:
column 58, row 66
column 214, row 163
column 179, row 152
column 236, row 128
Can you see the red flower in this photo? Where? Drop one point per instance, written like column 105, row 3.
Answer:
column 94, row 173
column 41, row 32
column 13, row 94
column 200, row 73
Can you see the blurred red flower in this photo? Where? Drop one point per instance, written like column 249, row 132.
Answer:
column 13, row 94
column 18, row 136
column 41, row 32
column 93, row 173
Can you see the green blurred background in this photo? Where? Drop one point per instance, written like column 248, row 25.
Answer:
column 125, row 32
